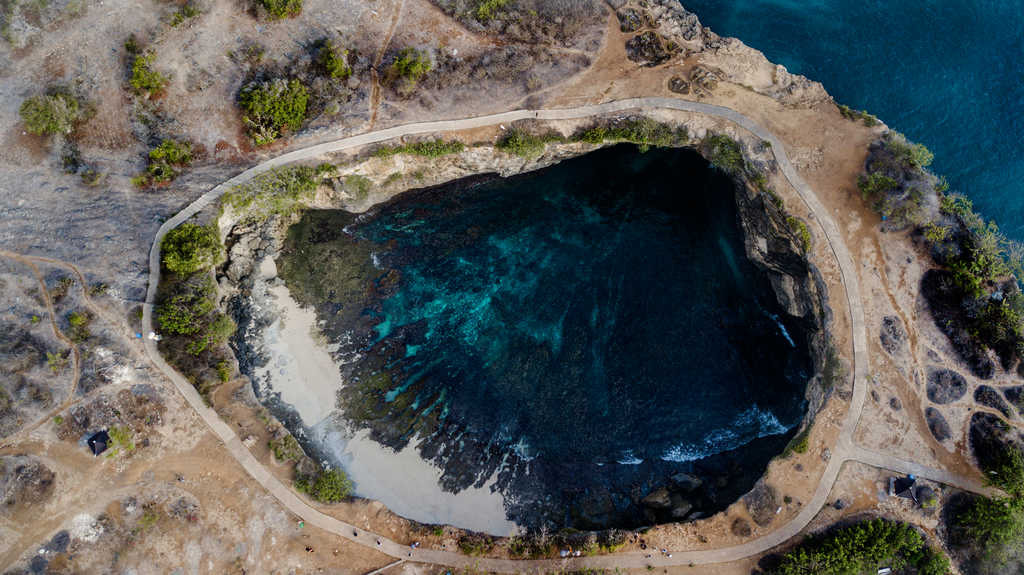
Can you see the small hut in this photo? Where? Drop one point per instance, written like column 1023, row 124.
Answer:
column 98, row 442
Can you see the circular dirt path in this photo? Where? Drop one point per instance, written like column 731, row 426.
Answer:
column 844, row 449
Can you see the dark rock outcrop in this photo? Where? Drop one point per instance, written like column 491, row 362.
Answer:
column 650, row 49
column 945, row 386
column 989, row 397
column 762, row 502
column 937, row 424
column 945, row 301
column 24, row 481
column 892, row 335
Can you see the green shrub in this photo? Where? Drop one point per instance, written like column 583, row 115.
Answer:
column 524, row 144
column 224, row 371
column 409, row 67
column 429, row 148
column 189, row 248
column 642, row 131
column 164, row 163
column 798, row 444
column 146, row 80
column 286, row 448
column 273, row 106
column 329, row 486
column 487, row 9
column 476, row 544
column 277, row 192
column 186, row 313
column 120, row 438
column 185, row 12
column 215, row 333
column 79, row 322
column 854, row 115
column 358, row 185
column 57, row 361
column 725, row 154
column 50, row 114
column 800, row 229
column 861, row 548
column 333, row 62
column 278, row 9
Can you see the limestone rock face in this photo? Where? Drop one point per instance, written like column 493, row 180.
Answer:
column 658, row 499
column 686, row 482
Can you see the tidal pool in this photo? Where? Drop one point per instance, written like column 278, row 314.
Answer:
column 570, row 339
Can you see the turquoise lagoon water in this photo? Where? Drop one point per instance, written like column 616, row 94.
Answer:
column 581, row 333
column 947, row 73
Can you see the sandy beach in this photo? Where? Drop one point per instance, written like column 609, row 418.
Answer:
column 301, row 370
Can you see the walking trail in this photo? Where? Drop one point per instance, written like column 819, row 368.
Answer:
column 844, row 449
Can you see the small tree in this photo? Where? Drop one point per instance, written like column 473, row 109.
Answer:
column 50, row 114
column 189, row 248
column 333, row 62
column 145, row 80
column 273, row 106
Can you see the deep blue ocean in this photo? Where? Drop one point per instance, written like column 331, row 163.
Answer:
column 947, row 73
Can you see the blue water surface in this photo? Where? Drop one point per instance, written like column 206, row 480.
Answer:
column 947, row 73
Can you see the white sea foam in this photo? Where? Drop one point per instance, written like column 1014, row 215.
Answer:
column 782, row 328
column 754, row 423
column 629, row 458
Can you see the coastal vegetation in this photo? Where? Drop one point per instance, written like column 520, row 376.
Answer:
column 989, row 531
column 640, row 130
column 273, row 107
column 974, row 296
column 189, row 248
column 858, row 115
column 426, row 148
column 193, row 330
column 327, row 486
column 55, row 112
column 864, row 547
column 280, row 192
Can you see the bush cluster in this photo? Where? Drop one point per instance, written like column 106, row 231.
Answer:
column 864, row 548
column 642, row 131
column 428, row 148
column 189, row 248
column 54, row 113
column 144, row 79
column 165, row 162
column 273, row 106
column 333, row 62
column 525, row 144
column 277, row 192
column 278, row 9
column 983, row 263
column 855, row 115
column 725, row 154
column 329, row 486
column 409, row 67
